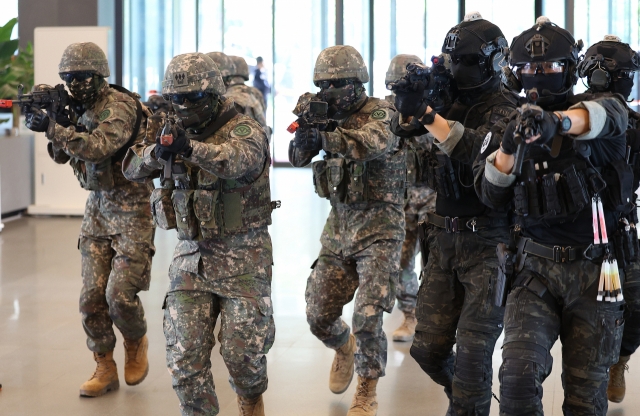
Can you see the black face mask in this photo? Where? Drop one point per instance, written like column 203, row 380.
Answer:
column 195, row 114
column 547, row 85
column 622, row 86
column 468, row 72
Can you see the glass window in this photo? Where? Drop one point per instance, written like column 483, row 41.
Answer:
column 501, row 13
column 554, row 10
column 210, row 20
column 439, row 21
column 8, row 11
column 356, row 29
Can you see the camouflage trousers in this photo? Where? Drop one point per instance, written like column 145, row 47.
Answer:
column 114, row 269
column 455, row 306
column 246, row 334
column 590, row 333
column 421, row 200
column 631, row 290
column 333, row 283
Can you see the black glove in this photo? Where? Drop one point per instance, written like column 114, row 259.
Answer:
column 547, row 122
column 36, row 120
column 181, row 144
column 62, row 118
column 508, row 144
column 309, row 140
column 410, row 98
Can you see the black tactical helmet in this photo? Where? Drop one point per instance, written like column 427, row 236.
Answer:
column 546, row 42
column 480, row 46
column 610, row 65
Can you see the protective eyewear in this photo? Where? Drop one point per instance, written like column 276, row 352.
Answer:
column 533, row 68
column 337, row 83
column 626, row 74
column 68, row 77
column 192, row 97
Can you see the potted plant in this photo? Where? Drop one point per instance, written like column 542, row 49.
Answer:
column 16, row 67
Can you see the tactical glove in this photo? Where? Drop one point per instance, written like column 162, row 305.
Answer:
column 36, row 120
column 548, row 122
column 309, row 140
column 410, row 98
column 181, row 144
column 508, row 144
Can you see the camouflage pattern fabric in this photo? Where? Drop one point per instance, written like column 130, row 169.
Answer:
column 84, row 57
column 191, row 72
column 109, row 122
column 332, row 284
column 253, row 107
column 361, row 243
column 455, row 307
column 590, row 331
column 229, row 276
column 340, row 62
column 114, row 269
column 631, row 336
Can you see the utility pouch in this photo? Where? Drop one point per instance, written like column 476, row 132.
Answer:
column 551, row 201
column 530, row 182
column 80, row 170
column 413, row 172
column 207, row 211
column 577, row 188
column 357, row 183
column 521, row 200
column 320, row 180
column 335, row 176
column 630, row 244
column 446, row 175
column 502, row 283
column 100, row 175
column 185, row 218
column 619, row 178
column 162, row 210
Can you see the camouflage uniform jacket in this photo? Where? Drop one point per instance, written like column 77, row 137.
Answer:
column 109, row 122
column 250, row 99
column 238, row 150
column 361, row 136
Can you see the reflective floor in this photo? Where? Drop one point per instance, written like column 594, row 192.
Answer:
column 44, row 360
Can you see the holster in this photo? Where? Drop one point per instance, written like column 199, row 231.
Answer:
column 423, row 243
column 506, row 272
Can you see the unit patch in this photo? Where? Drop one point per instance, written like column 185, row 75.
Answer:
column 104, row 115
column 242, row 130
column 379, row 114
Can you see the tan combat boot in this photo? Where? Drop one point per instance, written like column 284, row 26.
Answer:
column 104, row 379
column 136, row 365
column 407, row 330
column 251, row 407
column 342, row 367
column 617, row 387
column 365, row 401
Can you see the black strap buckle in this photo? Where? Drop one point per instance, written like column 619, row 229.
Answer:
column 451, row 225
column 562, row 254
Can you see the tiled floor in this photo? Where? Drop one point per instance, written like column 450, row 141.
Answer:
column 43, row 358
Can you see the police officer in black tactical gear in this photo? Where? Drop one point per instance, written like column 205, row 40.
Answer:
column 610, row 66
column 574, row 186
column 455, row 304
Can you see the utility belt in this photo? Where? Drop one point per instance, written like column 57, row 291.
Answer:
column 461, row 224
column 352, row 182
column 562, row 254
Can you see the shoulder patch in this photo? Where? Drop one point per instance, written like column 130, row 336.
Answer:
column 104, row 115
column 379, row 114
column 486, row 142
column 242, row 130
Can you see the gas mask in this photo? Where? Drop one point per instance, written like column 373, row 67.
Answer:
column 194, row 113
column 84, row 91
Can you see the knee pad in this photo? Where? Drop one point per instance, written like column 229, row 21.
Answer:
column 471, row 364
column 524, row 367
column 436, row 362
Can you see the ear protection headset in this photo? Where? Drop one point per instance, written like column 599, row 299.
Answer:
column 496, row 50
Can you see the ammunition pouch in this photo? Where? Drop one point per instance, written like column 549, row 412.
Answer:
column 320, row 180
column 619, row 194
column 164, row 216
column 185, row 217
column 439, row 174
column 94, row 176
column 625, row 243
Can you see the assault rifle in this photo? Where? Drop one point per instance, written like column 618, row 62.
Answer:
column 53, row 100
column 172, row 169
column 439, row 90
column 526, row 127
column 314, row 117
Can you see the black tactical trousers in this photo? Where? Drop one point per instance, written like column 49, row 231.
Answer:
column 590, row 332
column 631, row 291
column 455, row 307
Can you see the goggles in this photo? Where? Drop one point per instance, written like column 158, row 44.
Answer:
column 68, row 77
column 192, row 97
column 533, row 68
column 337, row 83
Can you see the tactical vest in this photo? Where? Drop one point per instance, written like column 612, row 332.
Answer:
column 216, row 208
column 100, row 176
column 344, row 181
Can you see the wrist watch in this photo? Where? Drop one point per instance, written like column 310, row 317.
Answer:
column 565, row 122
column 428, row 118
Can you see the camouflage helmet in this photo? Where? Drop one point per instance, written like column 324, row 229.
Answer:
column 223, row 62
column 241, row 69
column 84, row 57
column 192, row 72
column 340, row 62
column 398, row 67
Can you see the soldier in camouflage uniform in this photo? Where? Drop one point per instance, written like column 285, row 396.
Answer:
column 421, row 199
column 249, row 100
column 558, row 264
column 455, row 300
column 221, row 207
column 610, row 66
column 363, row 174
column 116, row 238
